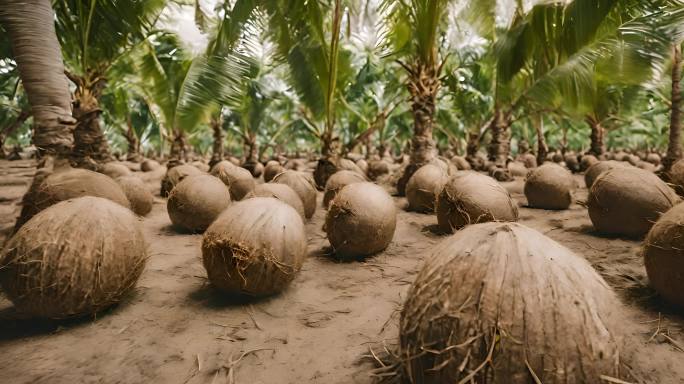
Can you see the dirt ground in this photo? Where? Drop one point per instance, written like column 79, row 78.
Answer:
column 176, row 329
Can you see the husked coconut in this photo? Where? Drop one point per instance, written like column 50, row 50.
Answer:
column 138, row 194
column 256, row 247
column 255, row 168
column 74, row 258
column 497, row 302
column 68, row 183
column 281, row 192
column 202, row 166
column 197, row 201
column 549, row 187
column 303, row 184
column 597, row 169
column 517, row 169
column 363, row 165
column 237, row 179
column 470, row 198
column 572, row 163
column 461, row 163
column 653, row 158
column 664, row 255
column 424, row 187
column 677, row 175
column 361, row 220
column 627, row 201
column 149, row 165
column 114, row 170
column 337, row 181
column 348, row 165
column 377, row 169
column 272, row 169
column 587, row 161
column 529, row 160
column 175, row 175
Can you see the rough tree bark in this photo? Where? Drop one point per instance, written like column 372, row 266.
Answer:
column 133, row 142
column 90, row 143
column 500, row 145
column 542, row 148
column 423, row 85
column 218, row 150
column 674, row 148
column 36, row 50
column 179, row 149
column 598, row 146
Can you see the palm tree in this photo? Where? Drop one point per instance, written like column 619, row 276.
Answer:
column 674, row 148
column 36, row 50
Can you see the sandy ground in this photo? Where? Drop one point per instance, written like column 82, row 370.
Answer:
column 176, row 329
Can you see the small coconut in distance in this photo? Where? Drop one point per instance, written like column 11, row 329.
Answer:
column 197, row 201
column 238, row 180
column 138, row 194
column 549, row 187
column 424, row 186
column 303, row 184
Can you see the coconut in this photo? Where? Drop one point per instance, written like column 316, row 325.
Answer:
column 363, row 165
column 132, row 166
column 627, row 201
column 256, row 247
column 470, row 198
column 377, row 169
column 238, row 180
column 646, row 166
column 653, row 158
column 677, row 175
column 114, row 170
column 597, row 169
column 557, row 157
column 303, row 184
column 74, row 258
column 663, row 254
column 529, row 160
column 138, row 194
column 149, row 165
column 501, row 303
column 361, row 220
column 424, row 186
column 68, row 183
column 337, row 181
column 281, row 192
column 572, row 163
column 348, row 165
column 197, row 201
column 461, row 163
column 272, row 169
column 517, row 169
column 255, row 168
column 202, row 166
column 587, row 161
column 175, row 175
column 549, row 187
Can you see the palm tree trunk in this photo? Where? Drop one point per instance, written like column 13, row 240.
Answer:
column 327, row 163
column 423, row 86
column 674, row 148
column 500, row 145
column 542, row 148
column 30, row 25
column 218, row 146
column 90, row 143
column 133, row 142
column 598, row 146
column 10, row 128
column 178, row 151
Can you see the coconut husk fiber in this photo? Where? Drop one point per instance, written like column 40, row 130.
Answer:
column 663, row 253
column 138, row 194
column 74, row 258
column 303, row 184
column 361, row 220
column 281, row 192
column 337, row 181
column 597, row 169
column 500, row 303
column 238, row 180
column 628, row 201
column 470, row 198
column 197, row 201
column 68, row 183
column 549, row 187
column 175, row 175
column 256, row 247
column 424, row 186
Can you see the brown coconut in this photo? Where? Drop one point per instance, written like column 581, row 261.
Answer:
column 255, row 168
column 500, row 303
column 303, row 184
column 175, row 175
column 114, row 170
column 338, row 181
column 470, row 198
column 281, row 192
column 138, row 194
column 517, row 169
column 256, row 247
column 348, row 165
column 378, row 169
column 677, row 176
column 239, row 180
column 653, row 158
column 149, row 165
column 597, row 169
column 68, row 183
column 202, row 166
column 461, row 163
column 628, row 201
column 272, row 169
column 572, row 163
column 587, row 161
column 549, row 187
column 529, row 160
column 74, row 258
column 363, row 165
column 424, row 186
column 197, row 201
column 664, row 255
column 361, row 220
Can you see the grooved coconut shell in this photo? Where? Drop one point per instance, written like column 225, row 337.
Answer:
column 197, row 201
column 424, row 186
column 256, row 247
column 303, row 184
column 549, row 187
column 337, row 181
column 68, row 183
column 74, row 258
column 664, row 255
column 281, row 192
column 594, row 171
column 138, row 194
column 471, row 198
column 628, row 201
column 501, row 303
column 237, row 179
column 361, row 220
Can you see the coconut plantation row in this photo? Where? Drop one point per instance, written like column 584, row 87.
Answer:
column 341, row 191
